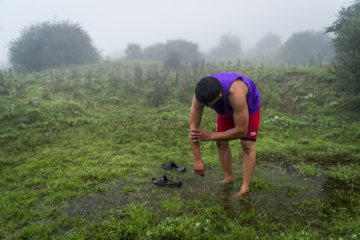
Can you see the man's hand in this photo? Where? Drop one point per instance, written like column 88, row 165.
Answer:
column 199, row 167
column 200, row 135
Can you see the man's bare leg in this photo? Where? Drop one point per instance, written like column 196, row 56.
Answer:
column 248, row 165
column 225, row 159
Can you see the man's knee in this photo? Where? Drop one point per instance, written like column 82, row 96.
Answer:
column 222, row 144
column 247, row 146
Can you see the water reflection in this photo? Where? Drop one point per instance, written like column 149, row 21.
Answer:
column 289, row 192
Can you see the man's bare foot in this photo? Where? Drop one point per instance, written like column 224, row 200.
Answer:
column 242, row 192
column 228, row 181
column 239, row 194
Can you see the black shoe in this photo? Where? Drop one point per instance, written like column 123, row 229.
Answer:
column 163, row 181
column 172, row 166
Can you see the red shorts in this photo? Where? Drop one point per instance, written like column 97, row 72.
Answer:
column 226, row 122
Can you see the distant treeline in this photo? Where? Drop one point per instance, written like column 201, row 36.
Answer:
column 299, row 48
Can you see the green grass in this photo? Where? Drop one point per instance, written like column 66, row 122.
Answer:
column 347, row 173
column 78, row 164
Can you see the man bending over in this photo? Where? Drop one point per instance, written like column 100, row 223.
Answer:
column 237, row 101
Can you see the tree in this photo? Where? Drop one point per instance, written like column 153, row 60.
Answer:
column 52, row 44
column 303, row 46
column 346, row 41
column 133, row 51
column 172, row 60
column 229, row 47
column 269, row 41
column 186, row 51
column 156, row 52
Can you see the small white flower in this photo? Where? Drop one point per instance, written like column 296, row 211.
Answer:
column 308, row 96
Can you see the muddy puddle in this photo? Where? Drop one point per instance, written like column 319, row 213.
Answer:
column 276, row 187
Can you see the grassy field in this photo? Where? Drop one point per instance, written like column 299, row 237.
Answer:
column 79, row 147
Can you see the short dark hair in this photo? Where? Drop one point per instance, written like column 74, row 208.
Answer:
column 207, row 89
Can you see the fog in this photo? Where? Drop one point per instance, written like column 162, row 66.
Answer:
column 114, row 24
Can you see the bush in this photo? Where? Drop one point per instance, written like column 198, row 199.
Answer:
column 52, row 44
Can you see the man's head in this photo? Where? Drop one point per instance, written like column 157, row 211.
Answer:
column 207, row 90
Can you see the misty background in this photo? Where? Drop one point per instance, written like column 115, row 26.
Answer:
column 114, row 24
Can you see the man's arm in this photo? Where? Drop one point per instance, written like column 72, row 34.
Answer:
column 237, row 100
column 196, row 112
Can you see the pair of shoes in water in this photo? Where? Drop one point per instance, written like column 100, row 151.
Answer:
column 163, row 181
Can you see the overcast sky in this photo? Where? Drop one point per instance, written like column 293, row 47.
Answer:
column 113, row 24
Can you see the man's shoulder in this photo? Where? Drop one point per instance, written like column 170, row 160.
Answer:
column 238, row 86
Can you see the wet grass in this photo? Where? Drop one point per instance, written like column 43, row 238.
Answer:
column 79, row 164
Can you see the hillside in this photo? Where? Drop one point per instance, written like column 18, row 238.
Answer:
column 79, row 146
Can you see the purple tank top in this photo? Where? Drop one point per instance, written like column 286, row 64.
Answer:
column 226, row 79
